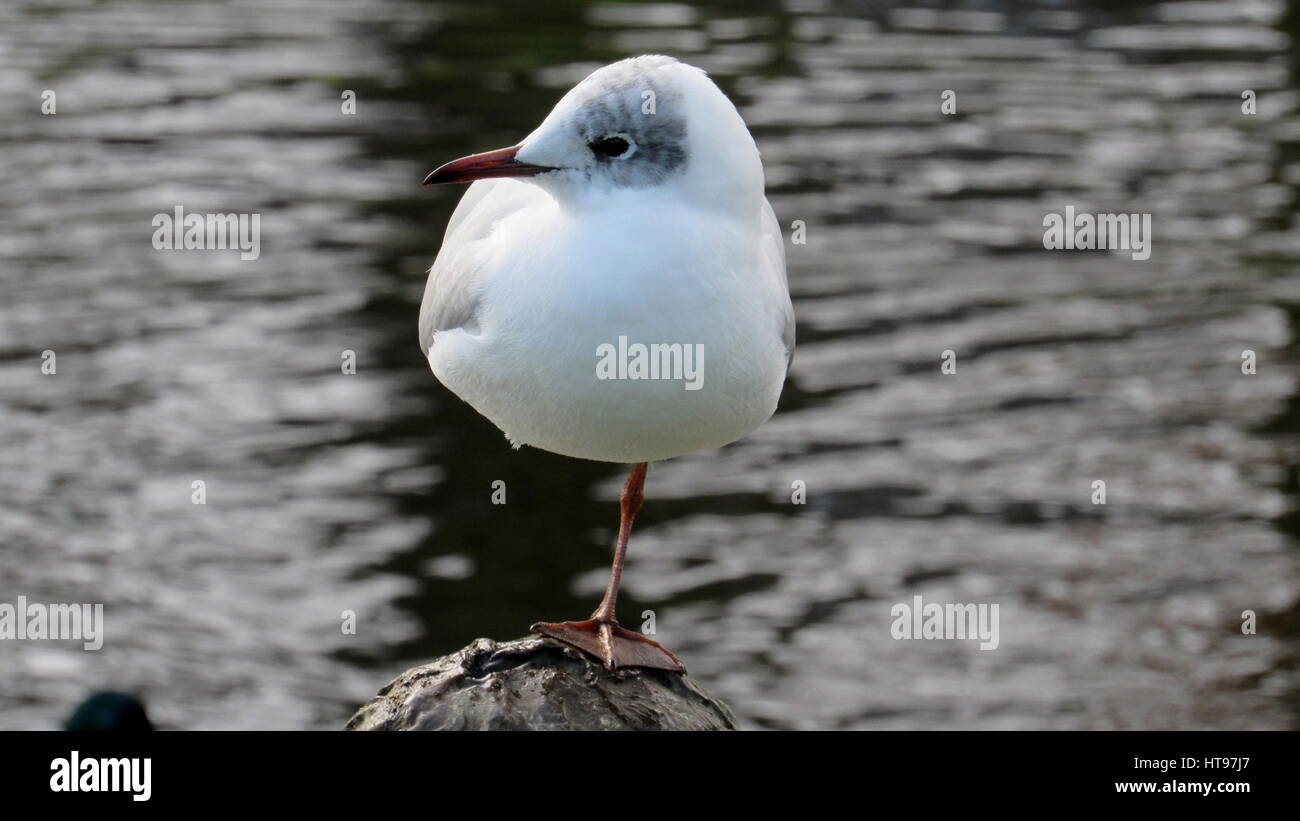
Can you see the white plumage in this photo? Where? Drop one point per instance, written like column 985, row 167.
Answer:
column 648, row 225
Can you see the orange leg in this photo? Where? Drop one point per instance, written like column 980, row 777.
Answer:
column 601, row 635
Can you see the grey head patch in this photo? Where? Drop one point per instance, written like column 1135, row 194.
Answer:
column 639, row 102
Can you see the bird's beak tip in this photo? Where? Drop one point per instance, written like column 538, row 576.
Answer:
column 488, row 165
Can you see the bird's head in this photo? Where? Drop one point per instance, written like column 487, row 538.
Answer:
column 647, row 122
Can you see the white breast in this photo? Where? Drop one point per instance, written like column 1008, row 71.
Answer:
column 548, row 289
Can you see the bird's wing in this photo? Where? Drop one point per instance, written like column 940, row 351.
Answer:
column 451, row 296
column 774, row 257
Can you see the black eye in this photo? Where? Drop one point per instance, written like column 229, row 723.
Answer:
column 609, row 146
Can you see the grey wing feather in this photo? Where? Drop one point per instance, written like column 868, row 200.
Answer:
column 451, row 296
column 774, row 253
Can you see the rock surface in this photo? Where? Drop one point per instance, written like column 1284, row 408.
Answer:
column 537, row 684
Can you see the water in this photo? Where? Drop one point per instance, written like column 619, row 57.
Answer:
column 371, row 492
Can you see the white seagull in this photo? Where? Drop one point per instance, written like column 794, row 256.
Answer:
column 613, row 288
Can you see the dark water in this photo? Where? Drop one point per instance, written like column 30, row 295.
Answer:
column 371, row 492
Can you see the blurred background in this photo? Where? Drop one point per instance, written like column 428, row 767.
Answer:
column 371, row 492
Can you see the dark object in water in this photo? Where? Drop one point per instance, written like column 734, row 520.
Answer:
column 538, row 684
column 107, row 711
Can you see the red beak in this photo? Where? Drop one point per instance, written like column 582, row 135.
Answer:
column 485, row 166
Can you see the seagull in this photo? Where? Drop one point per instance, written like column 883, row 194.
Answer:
column 613, row 288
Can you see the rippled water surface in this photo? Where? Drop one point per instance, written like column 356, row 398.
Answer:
column 371, row 492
